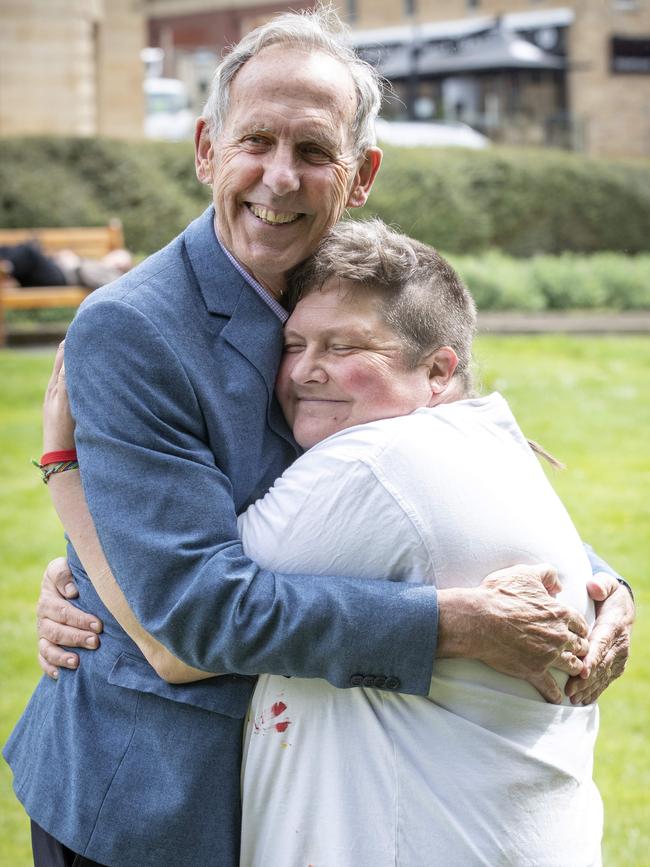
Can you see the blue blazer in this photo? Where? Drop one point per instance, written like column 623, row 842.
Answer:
column 171, row 373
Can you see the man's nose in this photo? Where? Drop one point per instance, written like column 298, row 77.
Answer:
column 281, row 174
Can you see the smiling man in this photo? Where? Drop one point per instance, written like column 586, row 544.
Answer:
column 285, row 165
column 171, row 372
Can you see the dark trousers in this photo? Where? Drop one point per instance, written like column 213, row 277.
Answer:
column 48, row 852
column 31, row 267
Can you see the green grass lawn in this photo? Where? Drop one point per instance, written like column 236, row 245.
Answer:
column 587, row 400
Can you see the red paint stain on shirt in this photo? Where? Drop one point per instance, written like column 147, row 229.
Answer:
column 264, row 721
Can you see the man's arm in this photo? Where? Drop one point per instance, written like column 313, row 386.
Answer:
column 522, row 636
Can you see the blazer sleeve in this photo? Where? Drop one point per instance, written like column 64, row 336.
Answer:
column 166, row 520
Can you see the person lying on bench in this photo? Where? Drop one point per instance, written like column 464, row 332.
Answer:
column 28, row 265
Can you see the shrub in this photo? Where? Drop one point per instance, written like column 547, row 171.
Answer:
column 87, row 181
column 626, row 281
column 499, row 282
column 523, row 202
column 602, row 281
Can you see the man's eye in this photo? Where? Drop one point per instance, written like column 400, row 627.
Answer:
column 255, row 141
column 293, row 347
column 315, row 154
column 342, row 347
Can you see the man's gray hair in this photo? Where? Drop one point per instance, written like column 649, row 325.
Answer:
column 318, row 30
column 420, row 296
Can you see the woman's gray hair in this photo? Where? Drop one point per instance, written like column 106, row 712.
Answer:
column 421, row 298
column 320, row 30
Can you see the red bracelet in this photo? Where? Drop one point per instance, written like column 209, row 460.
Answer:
column 56, row 457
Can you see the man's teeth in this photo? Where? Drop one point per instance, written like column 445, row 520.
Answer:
column 273, row 216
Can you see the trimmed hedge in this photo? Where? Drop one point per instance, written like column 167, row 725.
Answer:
column 84, row 182
column 523, row 202
column 606, row 281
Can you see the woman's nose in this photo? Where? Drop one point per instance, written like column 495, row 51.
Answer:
column 307, row 368
column 281, row 172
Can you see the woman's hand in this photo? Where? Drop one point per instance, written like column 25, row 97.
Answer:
column 58, row 424
column 61, row 625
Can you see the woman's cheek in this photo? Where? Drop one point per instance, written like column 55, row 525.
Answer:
column 365, row 383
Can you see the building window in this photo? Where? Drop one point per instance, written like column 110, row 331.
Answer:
column 409, row 7
column 630, row 56
column 625, row 5
column 472, row 4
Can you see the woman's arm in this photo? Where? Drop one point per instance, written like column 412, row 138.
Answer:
column 70, row 503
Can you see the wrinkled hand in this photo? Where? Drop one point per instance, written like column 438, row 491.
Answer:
column 512, row 623
column 609, row 641
column 60, row 623
column 58, row 424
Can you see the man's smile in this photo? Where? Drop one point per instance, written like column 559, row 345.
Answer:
column 272, row 217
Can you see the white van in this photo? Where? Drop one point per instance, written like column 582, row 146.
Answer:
column 167, row 110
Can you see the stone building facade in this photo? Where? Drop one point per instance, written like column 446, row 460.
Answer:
column 71, row 67
column 605, row 99
column 195, row 33
column 572, row 93
column 74, row 67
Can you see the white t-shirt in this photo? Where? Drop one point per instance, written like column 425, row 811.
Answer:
column 483, row 771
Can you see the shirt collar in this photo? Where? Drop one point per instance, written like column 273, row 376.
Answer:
column 257, row 287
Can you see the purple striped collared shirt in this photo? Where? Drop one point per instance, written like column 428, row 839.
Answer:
column 264, row 294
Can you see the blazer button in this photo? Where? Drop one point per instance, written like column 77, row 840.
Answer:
column 369, row 680
column 356, row 680
column 380, row 681
column 393, row 683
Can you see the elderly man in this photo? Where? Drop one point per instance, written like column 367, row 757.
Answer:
column 171, row 373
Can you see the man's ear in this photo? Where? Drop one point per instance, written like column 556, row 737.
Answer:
column 203, row 151
column 442, row 364
column 364, row 178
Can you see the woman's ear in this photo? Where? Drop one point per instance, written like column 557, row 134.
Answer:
column 203, row 151
column 442, row 364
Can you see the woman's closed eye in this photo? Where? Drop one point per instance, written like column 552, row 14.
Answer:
column 344, row 347
column 290, row 348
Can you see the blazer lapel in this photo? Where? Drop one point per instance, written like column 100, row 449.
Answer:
column 253, row 329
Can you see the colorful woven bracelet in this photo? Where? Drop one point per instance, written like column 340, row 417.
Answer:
column 50, row 469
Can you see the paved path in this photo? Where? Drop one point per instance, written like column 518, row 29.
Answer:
column 509, row 322
column 506, row 322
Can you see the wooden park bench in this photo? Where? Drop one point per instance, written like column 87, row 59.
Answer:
column 89, row 242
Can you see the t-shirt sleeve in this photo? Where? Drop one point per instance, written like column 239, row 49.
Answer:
column 331, row 514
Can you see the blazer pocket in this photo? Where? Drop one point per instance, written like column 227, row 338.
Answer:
column 227, row 694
